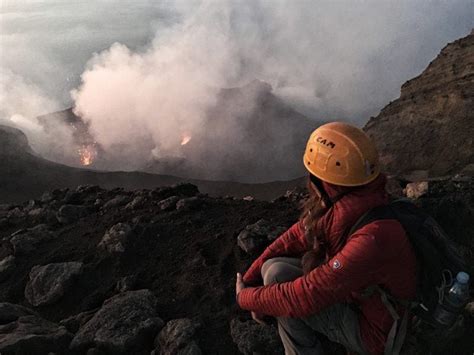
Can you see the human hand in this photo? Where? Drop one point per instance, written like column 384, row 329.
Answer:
column 239, row 284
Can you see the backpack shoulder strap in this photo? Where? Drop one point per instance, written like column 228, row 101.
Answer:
column 375, row 214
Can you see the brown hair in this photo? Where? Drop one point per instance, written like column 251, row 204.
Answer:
column 316, row 206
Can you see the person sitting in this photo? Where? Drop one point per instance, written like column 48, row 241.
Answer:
column 315, row 278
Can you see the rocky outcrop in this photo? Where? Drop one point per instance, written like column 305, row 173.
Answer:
column 178, row 337
column 253, row 338
column 255, row 236
column 178, row 264
column 125, row 323
column 116, row 238
column 427, row 132
column 70, row 213
column 48, row 283
column 23, row 332
column 25, row 241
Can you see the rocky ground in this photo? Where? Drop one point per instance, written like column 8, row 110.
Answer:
column 97, row 271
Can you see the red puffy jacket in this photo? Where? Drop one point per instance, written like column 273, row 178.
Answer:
column 377, row 254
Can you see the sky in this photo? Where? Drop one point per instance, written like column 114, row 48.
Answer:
column 117, row 61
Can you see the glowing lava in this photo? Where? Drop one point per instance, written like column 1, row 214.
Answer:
column 87, row 154
column 186, row 139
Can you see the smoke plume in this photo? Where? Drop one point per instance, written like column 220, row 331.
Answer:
column 21, row 102
column 330, row 60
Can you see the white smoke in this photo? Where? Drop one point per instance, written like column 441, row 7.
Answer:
column 150, row 100
column 340, row 60
column 21, row 102
column 331, row 59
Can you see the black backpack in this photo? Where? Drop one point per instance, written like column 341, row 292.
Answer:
column 437, row 258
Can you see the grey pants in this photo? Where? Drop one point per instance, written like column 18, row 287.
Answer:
column 300, row 335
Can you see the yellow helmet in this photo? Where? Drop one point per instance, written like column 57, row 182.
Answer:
column 342, row 154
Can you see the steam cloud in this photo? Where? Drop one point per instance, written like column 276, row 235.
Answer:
column 20, row 104
column 329, row 59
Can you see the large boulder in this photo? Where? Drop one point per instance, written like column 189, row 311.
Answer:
column 125, row 324
column 71, row 213
column 115, row 240
column 25, row 241
column 48, row 283
column 189, row 203
column 168, row 203
column 117, row 201
column 256, row 236
column 23, row 332
column 178, row 337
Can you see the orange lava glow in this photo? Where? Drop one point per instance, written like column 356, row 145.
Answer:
column 87, row 154
column 186, row 139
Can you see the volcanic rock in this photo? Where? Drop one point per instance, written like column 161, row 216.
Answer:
column 178, row 338
column 168, row 203
column 10, row 312
column 427, row 132
column 116, row 238
column 15, row 213
column 50, row 282
column 253, row 338
column 47, row 197
column 70, row 213
column 126, row 283
column 5, row 207
column 136, row 203
column 75, row 322
column 7, row 265
column 188, row 262
column 257, row 235
column 24, row 332
column 188, row 203
column 416, row 189
column 125, row 323
column 117, row 202
column 25, row 241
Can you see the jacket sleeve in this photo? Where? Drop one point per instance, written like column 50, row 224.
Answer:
column 350, row 270
column 290, row 243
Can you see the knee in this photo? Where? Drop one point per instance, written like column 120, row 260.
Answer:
column 266, row 265
column 273, row 273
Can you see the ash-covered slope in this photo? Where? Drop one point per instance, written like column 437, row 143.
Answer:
column 108, row 271
column 23, row 175
column 429, row 130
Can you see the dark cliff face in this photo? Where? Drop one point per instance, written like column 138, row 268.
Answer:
column 429, row 130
